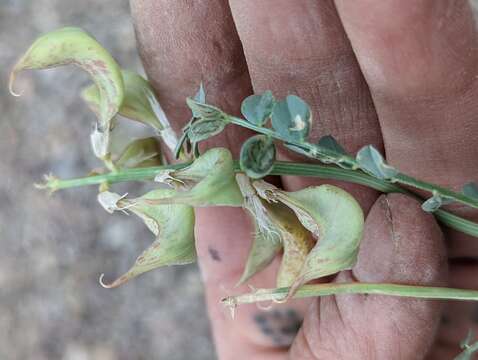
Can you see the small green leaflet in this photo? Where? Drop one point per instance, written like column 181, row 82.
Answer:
column 371, row 161
column 435, row 202
column 328, row 142
column 257, row 156
column 291, row 118
column 257, row 109
column 204, row 129
column 200, row 97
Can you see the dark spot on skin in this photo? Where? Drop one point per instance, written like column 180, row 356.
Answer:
column 291, row 329
column 260, row 318
column 445, row 320
column 280, row 325
column 214, row 254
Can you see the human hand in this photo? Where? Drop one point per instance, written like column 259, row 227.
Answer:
column 398, row 74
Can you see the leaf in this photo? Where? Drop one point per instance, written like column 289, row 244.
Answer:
column 371, row 161
column 135, row 105
column 328, row 142
column 173, row 226
column 333, row 216
column 257, row 156
column 208, row 181
column 74, row 46
column 140, row 153
column 205, row 111
column 435, row 202
column 204, row 129
column 184, row 142
column 471, row 190
column 257, row 109
column 267, row 241
column 291, row 118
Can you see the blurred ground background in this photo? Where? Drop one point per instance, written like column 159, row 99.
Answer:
column 52, row 249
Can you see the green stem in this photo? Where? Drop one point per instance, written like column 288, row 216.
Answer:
column 280, row 168
column 320, row 153
column 422, row 292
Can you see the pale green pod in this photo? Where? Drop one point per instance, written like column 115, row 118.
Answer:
column 74, row 46
column 333, row 216
column 140, row 153
column 173, row 226
column 208, row 181
column 135, row 105
column 267, row 238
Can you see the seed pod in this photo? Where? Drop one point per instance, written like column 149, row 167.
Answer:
column 140, row 153
column 74, row 46
column 208, row 181
column 173, row 226
column 135, row 105
column 335, row 219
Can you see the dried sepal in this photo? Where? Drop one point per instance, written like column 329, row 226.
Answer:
column 173, row 226
column 208, row 181
column 267, row 239
column 140, row 153
column 74, row 46
column 109, row 201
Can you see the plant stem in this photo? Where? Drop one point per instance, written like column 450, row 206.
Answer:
column 280, row 168
column 423, row 292
column 320, row 153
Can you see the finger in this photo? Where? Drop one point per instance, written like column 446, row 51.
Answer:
column 419, row 59
column 401, row 244
column 300, row 47
column 183, row 43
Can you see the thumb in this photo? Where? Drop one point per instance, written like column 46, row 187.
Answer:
column 401, row 244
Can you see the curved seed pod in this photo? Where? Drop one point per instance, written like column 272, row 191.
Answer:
column 140, row 153
column 208, row 181
column 267, row 240
column 333, row 216
column 74, row 46
column 173, row 226
column 135, row 105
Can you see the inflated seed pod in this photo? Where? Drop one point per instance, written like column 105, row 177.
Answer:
column 72, row 45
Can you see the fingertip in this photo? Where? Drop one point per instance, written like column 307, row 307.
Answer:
column 401, row 244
